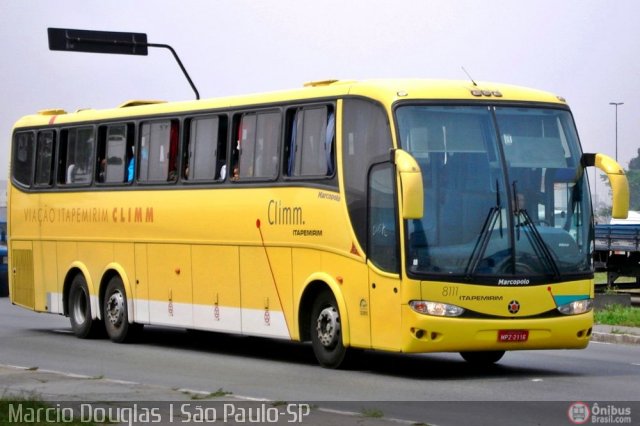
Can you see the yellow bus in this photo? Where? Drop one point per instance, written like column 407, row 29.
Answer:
column 397, row 215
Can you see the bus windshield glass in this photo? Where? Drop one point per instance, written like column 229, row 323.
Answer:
column 505, row 194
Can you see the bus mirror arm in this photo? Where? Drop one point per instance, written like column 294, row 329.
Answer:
column 411, row 188
column 617, row 180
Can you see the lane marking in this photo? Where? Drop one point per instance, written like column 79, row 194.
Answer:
column 122, row 382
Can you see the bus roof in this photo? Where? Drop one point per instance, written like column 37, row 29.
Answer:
column 385, row 90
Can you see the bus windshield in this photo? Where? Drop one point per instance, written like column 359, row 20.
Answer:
column 505, row 194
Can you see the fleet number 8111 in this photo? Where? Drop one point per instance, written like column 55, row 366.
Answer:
column 450, row 290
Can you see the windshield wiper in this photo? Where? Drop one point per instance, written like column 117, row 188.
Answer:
column 534, row 237
column 538, row 244
column 494, row 216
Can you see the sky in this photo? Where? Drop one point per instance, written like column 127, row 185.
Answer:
column 587, row 51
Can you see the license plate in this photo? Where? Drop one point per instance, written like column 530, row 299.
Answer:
column 513, row 335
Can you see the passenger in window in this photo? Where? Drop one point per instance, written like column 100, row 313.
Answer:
column 173, row 152
column 131, row 169
column 102, row 170
column 131, row 165
column 236, row 173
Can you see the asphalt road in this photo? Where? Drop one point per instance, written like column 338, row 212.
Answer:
column 432, row 389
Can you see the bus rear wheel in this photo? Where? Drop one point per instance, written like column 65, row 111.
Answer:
column 82, row 323
column 482, row 358
column 116, row 317
column 326, row 331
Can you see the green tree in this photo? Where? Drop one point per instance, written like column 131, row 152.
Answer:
column 634, row 164
column 633, row 176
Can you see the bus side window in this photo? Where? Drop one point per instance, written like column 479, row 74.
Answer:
column 205, row 149
column 158, row 151
column 221, row 152
column 234, row 170
column 44, row 158
column 23, row 151
column 256, row 151
column 101, row 162
column 76, row 156
column 114, row 153
column 173, row 151
column 310, row 148
column 246, row 147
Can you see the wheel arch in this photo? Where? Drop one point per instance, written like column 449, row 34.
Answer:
column 74, row 269
column 116, row 270
column 316, row 284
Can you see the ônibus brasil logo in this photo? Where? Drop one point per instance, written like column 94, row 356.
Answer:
column 579, row 413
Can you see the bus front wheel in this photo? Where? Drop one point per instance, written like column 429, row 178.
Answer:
column 482, row 358
column 116, row 318
column 326, row 331
column 82, row 323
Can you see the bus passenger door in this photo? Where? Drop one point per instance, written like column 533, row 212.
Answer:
column 383, row 259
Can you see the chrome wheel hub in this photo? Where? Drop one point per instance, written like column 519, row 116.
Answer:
column 328, row 327
column 115, row 309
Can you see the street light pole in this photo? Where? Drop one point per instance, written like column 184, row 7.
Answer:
column 616, row 104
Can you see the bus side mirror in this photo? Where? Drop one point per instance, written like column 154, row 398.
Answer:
column 411, row 189
column 617, row 180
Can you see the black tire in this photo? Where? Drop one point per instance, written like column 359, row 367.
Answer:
column 326, row 331
column 482, row 358
column 82, row 324
column 115, row 312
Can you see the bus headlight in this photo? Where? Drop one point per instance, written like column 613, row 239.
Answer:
column 436, row 308
column 576, row 307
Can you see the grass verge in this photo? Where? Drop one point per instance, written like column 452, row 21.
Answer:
column 601, row 278
column 625, row 316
